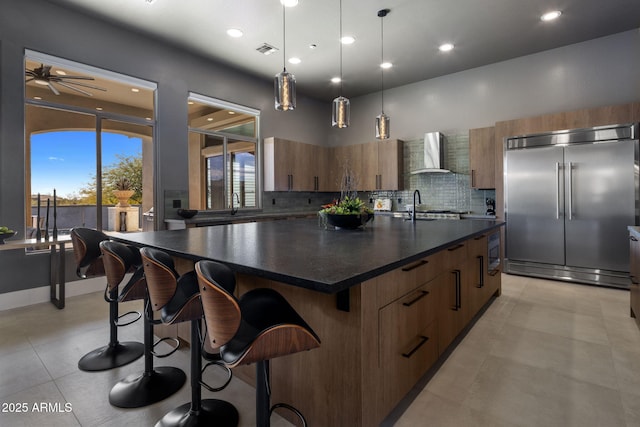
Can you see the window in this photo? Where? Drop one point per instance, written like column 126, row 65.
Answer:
column 88, row 131
column 223, row 155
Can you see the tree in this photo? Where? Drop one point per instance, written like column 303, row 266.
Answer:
column 128, row 168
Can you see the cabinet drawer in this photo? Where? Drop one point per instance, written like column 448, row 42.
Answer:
column 400, row 281
column 455, row 255
column 405, row 362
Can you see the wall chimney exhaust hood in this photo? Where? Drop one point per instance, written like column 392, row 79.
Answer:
column 434, row 154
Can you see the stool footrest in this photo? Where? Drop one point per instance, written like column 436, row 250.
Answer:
column 223, row 366
column 161, row 356
column 128, row 313
column 290, row 408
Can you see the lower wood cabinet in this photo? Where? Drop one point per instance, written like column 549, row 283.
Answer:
column 408, row 341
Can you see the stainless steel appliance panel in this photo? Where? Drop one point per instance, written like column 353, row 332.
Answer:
column 599, row 204
column 534, row 208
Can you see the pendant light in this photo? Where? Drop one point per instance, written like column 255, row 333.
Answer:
column 341, row 108
column 284, row 83
column 382, row 121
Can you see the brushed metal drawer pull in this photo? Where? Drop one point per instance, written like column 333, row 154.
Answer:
column 419, row 264
column 421, row 295
column 455, row 248
column 422, row 342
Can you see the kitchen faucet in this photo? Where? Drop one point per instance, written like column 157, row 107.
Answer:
column 234, row 210
column 416, row 192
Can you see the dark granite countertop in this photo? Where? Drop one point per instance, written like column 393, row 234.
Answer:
column 300, row 253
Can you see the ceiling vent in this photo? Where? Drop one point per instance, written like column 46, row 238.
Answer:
column 266, row 49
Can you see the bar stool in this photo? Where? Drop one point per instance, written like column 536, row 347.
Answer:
column 257, row 327
column 152, row 385
column 178, row 299
column 86, row 248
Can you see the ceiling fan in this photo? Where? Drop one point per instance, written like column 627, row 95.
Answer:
column 42, row 76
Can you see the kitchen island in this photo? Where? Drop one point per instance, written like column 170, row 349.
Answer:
column 386, row 301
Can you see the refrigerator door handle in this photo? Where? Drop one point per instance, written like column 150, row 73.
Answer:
column 557, row 190
column 570, row 196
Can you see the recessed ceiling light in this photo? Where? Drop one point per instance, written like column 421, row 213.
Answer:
column 550, row 16
column 210, row 119
column 336, row 80
column 294, row 60
column 313, row 46
column 386, row 65
column 234, row 32
column 289, row 3
column 446, row 47
column 37, row 98
column 99, row 108
column 347, row 40
column 135, row 89
column 41, row 82
column 148, row 118
column 190, row 102
column 61, row 72
column 232, row 112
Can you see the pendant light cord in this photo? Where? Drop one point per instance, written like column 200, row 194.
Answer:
column 340, row 47
column 382, row 14
column 284, row 39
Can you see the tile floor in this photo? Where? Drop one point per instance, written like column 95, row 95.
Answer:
column 543, row 354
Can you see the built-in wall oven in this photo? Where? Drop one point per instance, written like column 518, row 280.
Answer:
column 493, row 251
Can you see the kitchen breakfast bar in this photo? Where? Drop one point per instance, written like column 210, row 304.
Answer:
column 386, row 300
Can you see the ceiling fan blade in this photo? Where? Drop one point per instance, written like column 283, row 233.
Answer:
column 75, row 77
column 30, row 79
column 80, row 84
column 53, row 89
column 84, row 92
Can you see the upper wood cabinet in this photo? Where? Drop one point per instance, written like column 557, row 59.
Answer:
column 382, row 165
column 482, row 157
column 292, row 166
column 296, row 166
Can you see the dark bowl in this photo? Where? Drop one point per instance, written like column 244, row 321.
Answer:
column 4, row 236
column 349, row 221
column 187, row 213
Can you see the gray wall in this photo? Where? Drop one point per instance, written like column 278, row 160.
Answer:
column 585, row 75
column 595, row 73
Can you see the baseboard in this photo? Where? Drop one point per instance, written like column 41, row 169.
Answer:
column 38, row 295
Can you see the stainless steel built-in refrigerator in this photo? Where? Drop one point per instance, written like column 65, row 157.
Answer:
column 569, row 198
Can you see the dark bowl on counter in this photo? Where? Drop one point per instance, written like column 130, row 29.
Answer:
column 187, row 213
column 350, row 222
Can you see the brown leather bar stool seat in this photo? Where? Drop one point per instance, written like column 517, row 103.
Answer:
column 86, row 248
column 178, row 300
column 154, row 384
column 255, row 328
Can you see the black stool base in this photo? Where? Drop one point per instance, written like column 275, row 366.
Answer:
column 111, row 356
column 212, row 412
column 142, row 389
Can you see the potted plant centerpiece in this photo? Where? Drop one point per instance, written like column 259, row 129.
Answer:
column 123, row 192
column 349, row 212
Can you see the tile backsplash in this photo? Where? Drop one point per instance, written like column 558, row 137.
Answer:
column 441, row 190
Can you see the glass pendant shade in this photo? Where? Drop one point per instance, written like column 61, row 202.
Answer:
column 382, row 126
column 285, row 91
column 341, row 112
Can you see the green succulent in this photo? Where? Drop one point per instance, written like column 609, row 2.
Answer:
column 347, row 206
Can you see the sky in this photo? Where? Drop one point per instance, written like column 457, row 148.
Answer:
column 66, row 160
